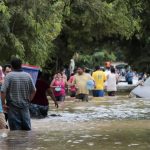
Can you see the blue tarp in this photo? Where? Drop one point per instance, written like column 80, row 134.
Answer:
column 32, row 70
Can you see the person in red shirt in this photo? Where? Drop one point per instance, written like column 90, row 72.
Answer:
column 73, row 87
column 40, row 104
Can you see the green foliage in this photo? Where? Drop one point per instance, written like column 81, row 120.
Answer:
column 137, row 49
column 28, row 29
column 98, row 58
column 49, row 32
column 95, row 23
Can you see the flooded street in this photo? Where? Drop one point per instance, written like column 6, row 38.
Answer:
column 117, row 123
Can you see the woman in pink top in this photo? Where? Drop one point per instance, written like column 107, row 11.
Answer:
column 58, row 85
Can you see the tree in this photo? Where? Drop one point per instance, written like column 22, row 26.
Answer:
column 137, row 48
column 93, row 24
column 98, row 58
column 49, row 32
column 28, row 29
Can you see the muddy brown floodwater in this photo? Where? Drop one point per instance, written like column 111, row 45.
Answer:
column 106, row 123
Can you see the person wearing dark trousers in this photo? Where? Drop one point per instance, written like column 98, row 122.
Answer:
column 20, row 89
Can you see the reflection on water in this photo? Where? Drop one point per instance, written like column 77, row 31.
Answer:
column 107, row 123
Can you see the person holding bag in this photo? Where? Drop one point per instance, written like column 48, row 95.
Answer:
column 58, row 85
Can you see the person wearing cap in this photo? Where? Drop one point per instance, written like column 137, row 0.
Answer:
column 81, row 80
column 99, row 77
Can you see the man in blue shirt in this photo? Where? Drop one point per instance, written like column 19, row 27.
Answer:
column 129, row 77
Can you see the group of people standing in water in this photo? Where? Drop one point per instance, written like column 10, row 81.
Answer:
column 80, row 83
column 20, row 96
column 79, row 86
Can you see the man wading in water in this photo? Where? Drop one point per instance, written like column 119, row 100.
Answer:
column 80, row 81
column 19, row 87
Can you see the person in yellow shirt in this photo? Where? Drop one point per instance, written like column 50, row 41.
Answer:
column 80, row 81
column 99, row 77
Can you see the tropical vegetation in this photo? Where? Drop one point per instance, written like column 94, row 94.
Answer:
column 49, row 33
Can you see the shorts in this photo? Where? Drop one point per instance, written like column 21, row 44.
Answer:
column 38, row 111
column 60, row 98
column 98, row 93
column 83, row 97
column 111, row 93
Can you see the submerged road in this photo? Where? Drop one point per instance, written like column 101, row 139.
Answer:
column 105, row 123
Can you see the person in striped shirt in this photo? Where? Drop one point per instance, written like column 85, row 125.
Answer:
column 20, row 89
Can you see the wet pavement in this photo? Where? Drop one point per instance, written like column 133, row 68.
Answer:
column 117, row 123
